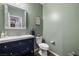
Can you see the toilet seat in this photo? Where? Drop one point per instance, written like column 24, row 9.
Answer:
column 44, row 46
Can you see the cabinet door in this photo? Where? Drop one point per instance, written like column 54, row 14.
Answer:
column 18, row 48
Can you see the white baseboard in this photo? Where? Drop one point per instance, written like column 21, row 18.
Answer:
column 49, row 51
column 54, row 53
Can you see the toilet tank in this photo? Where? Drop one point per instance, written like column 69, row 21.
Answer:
column 39, row 40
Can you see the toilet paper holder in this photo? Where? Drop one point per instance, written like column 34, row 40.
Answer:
column 52, row 42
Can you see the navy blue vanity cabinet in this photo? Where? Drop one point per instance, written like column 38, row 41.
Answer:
column 24, row 47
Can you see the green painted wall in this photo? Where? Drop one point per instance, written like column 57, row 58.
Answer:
column 33, row 10
column 1, row 19
column 52, row 30
column 70, row 28
column 65, row 30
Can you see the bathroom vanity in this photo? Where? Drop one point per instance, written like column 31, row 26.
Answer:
column 17, row 46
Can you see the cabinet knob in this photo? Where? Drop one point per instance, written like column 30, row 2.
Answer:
column 5, row 46
column 11, row 53
column 27, row 49
column 31, row 51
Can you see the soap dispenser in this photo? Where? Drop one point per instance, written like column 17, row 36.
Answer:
column 2, row 34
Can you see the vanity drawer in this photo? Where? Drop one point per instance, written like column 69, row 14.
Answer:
column 8, row 45
column 4, row 46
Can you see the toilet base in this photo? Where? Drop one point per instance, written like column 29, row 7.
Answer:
column 43, row 52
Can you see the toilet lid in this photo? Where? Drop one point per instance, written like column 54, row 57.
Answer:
column 44, row 46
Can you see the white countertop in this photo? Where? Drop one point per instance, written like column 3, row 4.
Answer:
column 15, row 38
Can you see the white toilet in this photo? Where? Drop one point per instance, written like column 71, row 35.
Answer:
column 43, row 46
